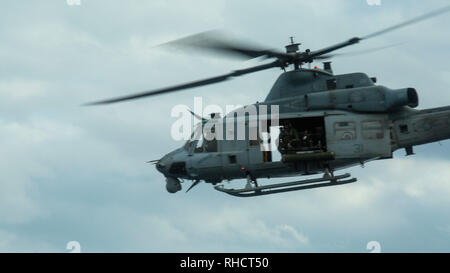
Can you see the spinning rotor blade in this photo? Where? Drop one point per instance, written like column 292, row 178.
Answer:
column 308, row 57
column 235, row 73
column 212, row 41
column 248, row 52
column 353, row 53
column 409, row 22
column 355, row 40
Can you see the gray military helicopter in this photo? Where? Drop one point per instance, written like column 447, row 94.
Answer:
column 326, row 122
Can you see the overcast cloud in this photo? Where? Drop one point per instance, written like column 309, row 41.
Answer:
column 78, row 173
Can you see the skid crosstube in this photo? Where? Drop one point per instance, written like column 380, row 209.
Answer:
column 289, row 186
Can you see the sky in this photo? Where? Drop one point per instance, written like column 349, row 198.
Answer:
column 74, row 173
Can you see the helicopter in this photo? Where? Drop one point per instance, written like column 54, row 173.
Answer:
column 323, row 122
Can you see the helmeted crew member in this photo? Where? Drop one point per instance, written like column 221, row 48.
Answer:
column 289, row 136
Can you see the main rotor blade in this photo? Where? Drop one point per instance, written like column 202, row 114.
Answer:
column 356, row 40
column 235, row 73
column 213, row 41
column 353, row 53
column 243, row 50
column 329, row 49
column 409, row 22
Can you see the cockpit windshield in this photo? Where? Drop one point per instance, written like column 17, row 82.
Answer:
column 198, row 143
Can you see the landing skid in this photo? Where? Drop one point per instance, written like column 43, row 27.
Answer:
column 289, row 186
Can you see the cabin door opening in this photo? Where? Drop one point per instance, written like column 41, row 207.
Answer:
column 299, row 135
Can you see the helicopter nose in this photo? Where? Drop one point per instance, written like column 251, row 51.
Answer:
column 170, row 166
column 160, row 167
column 163, row 165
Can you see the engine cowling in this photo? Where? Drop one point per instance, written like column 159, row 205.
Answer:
column 173, row 185
column 366, row 99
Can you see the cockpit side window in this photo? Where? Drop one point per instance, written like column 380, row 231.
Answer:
column 202, row 145
column 199, row 146
column 211, row 146
column 206, row 146
column 198, row 143
column 188, row 145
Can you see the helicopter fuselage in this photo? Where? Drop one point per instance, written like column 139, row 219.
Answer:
column 336, row 121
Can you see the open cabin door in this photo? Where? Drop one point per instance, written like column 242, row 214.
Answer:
column 289, row 135
column 358, row 136
column 302, row 135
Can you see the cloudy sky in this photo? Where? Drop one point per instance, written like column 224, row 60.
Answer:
column 72, row 173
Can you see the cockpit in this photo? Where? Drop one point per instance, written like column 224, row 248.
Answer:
column 202, row 141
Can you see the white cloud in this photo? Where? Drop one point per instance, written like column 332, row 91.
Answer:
column 235, row 229
column 300, row 238
column 17, row 89
column 422, row 179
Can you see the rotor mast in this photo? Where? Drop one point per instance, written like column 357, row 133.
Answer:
column 294, row 49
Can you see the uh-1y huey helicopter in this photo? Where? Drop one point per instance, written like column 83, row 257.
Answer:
column 327, row 122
